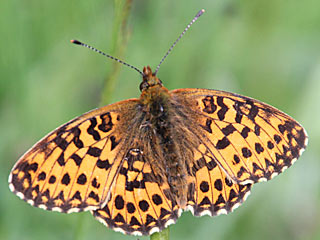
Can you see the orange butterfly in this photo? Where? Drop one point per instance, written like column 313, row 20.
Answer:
column 137, row 164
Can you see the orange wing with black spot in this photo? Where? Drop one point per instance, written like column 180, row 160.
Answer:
column 139, row 204
column 212, row 193
column 74, row 167
column 243, row 141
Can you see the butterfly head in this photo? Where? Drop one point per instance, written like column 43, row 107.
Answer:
column 149, row 79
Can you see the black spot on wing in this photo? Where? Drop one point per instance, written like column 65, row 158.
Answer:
column 119, row 202
column 209, row 106
column 131, row 208
column 270, row 145
column 75, row 157
column 246, row 152
column 205, row 201
column 82, row 179
column 52, row 179
column 156, row 199
column 65, row 179
column 106, row 124
column 228, row 130
column 61, row 160
column 257, row 130
column 103, row 164
column 223, row 143
column 207, row 127
column 223, row 110
column 259, row 149
column 245, row 131
column 253, row 112
column 218, row 184
column 144, row 205
column 42, row 176
column 114, row 142
column 204, row 186
column 76, row 139
column 94, row 151
column 95, row 183
column 277, row 138
column 61, row 142
column 236, row 159
column 239, row 114
column 94, row 196
column 200, row 163
column 94, row 133
column 281, row 128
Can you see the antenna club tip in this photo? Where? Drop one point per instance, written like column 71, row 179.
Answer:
column 75, row 42
column 200, row 13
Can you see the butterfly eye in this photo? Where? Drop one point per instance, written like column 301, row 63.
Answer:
column 143, row 85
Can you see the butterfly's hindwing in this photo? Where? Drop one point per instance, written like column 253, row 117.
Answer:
column 214, row 192
column 138, row 204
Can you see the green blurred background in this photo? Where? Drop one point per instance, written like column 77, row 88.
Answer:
column 268, row 50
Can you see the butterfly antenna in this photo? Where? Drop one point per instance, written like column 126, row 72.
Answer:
column 106, row 55
column 184, row 31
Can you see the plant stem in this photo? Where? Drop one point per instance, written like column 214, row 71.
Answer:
column 163, row 235
column 120, row 36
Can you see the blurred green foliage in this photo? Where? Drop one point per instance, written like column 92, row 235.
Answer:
column 268, row 50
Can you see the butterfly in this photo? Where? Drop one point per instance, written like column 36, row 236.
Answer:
column 137, row 164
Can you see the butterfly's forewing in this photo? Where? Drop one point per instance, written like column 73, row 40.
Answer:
column 243, row 141
column 73, row 168
column 138, row 204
